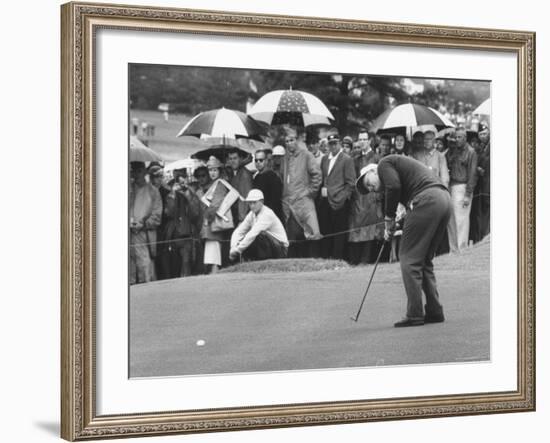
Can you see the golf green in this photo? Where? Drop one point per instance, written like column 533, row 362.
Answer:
column 279, row 321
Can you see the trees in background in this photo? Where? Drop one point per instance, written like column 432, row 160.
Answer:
column 354, row 100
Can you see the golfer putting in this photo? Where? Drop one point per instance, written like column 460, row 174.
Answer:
column 404, row 180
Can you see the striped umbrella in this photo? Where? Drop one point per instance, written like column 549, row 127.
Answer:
column 409, row 116
column 294, row 107
column 223, row 123
column 141, row 153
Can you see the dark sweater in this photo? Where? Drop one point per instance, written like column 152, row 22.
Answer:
column 403, row 178
column 270, row 184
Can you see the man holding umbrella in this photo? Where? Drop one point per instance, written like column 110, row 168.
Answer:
column 404, row 180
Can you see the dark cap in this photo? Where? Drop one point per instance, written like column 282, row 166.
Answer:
column 155, row 171
column 333, row 137
column 136, row 166
column 482, row 127
column 347, row 140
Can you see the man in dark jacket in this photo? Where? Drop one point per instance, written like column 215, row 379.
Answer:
column 179, row 229
column 269, row 183
column 337, row 188
column 241, row 179
column 481, row 202
column 405, row 180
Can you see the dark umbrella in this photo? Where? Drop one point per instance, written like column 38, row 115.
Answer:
column 218, row 151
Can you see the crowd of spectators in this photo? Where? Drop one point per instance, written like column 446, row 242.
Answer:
column 299, row 200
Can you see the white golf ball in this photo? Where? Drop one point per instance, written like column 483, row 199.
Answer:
column 201, row 342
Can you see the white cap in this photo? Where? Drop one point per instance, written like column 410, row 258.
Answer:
column 254, row 195
column 278, row 150
column 368, row 168
column 359, row 183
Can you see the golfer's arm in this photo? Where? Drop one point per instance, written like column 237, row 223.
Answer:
column 392, row 188
column 239, row 233
column 262, row 224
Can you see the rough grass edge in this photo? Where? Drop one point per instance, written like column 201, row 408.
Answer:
column 288, row 265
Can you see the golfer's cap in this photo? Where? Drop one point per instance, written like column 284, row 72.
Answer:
column 254, row 195
column 359, row 185
column 333, row 138
column 155, row 171
column 278, row 150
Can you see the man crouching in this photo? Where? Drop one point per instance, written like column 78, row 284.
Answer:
column 407, row 181
column 261, row 234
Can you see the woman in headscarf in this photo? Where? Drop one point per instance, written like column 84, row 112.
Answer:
column 215, row 230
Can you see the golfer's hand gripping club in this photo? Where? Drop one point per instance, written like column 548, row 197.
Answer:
column 389, row 228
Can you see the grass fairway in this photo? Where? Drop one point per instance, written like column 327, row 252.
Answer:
column 301, row 320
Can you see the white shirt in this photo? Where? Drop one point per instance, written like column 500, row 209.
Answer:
column 332, row 160
column 252, row 225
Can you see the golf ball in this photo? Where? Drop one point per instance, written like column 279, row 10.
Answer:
column 201, row 342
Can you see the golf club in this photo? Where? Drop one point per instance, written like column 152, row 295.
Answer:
column 370, row 281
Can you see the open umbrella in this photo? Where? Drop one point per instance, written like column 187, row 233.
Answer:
column 289, row 106
column 410, row 115
column 223, row 123
column 484, row 108
column 141, row 153
column 219, row 151
column 186, row 163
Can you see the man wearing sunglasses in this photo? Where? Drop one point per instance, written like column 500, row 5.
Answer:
column 269, row 183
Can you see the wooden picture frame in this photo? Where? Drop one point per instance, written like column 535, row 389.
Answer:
column 80, row 22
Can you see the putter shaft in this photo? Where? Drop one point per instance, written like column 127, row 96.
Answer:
column 370, row 281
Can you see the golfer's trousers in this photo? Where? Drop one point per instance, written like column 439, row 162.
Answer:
column 265, row 247
column 423, row 231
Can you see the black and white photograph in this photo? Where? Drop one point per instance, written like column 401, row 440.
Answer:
column 283, row 221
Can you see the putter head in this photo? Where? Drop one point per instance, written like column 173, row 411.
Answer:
column 354, row 319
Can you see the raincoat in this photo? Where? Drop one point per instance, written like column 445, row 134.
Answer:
column 366, row 215
column 302, row 178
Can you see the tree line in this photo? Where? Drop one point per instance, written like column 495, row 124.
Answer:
column 353, row 99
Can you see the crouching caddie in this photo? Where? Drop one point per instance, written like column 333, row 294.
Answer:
column 405, row 180
column 261, row 234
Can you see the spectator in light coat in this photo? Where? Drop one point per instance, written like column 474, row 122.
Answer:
column 301, row 181
column 145, row 217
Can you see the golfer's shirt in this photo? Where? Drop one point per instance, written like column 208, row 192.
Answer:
column 332, row 160
column 402, row 179
column 266, row 221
